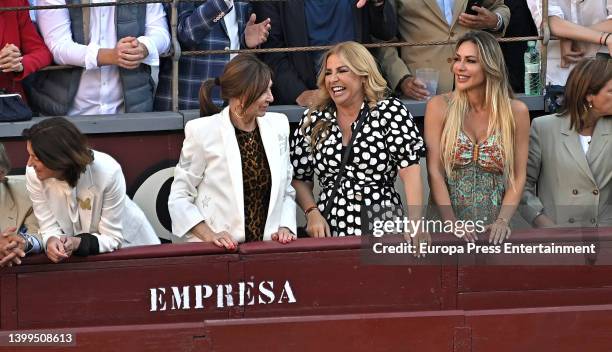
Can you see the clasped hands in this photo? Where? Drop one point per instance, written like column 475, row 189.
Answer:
column 62, row 247
column 12, row 248
column 129, row 53
column 10, row 58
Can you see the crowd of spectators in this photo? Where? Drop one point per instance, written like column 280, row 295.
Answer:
column 241, row 171
column 119, row 57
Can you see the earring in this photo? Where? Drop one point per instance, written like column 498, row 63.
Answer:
column 239, row 116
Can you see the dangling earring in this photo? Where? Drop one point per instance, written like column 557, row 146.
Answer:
column 240, row 116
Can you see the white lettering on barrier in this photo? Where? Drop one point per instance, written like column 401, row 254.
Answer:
column 180, row 298
column 248, row 293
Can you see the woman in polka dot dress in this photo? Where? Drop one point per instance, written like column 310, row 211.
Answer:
column 387, row 145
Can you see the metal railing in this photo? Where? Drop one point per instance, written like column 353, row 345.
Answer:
column 177, row 53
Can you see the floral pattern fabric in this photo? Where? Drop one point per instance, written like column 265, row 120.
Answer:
column 477, row 184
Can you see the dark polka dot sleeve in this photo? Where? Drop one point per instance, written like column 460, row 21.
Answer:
column 403, row 139
column 301, row 151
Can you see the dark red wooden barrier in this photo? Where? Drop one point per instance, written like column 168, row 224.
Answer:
column 112, row 294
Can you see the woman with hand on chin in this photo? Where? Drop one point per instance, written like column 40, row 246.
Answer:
column 477, row 141
column 233, row 181
column 78, row 194
column 351, row 104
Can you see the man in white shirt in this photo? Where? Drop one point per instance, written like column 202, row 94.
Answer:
column 116, row 46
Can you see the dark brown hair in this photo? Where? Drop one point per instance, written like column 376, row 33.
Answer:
column 244, row 77
column 60, row 146
column 589, row 76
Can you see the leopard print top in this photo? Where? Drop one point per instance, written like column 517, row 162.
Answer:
column 256, row 183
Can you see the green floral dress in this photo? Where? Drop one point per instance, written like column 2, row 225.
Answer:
column 477, row 184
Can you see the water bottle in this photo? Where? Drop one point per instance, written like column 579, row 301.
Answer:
column 532, row 70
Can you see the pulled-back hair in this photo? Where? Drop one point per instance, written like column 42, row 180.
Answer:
column 498, row 99
column 588, row 77
column 60, row 146
column 244, row 77
column 359, row 60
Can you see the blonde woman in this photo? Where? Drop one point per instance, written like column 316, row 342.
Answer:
column 387, row 143
column 477, row 140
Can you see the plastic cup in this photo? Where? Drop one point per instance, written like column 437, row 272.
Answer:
column 429, row 76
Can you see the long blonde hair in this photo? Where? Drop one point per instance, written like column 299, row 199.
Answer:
column 498, row 98
column 359, row 60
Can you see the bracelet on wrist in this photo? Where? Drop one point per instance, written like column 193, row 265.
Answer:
column 310, row 209
column 605, row 41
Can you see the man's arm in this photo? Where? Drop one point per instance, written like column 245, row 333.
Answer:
column 196, row 21
column 493, row 16
column 565, row 29
column 156, row 38
column 498, row 7
column 288, row 85
column 54, row 26
column 383, row 19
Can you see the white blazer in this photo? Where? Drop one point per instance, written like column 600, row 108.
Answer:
column 97, row 205
column 208, row 178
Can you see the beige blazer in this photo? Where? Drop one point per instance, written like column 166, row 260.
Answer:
column 423, row 21
column 208, row 185
column 572, row 188
column 16, row 207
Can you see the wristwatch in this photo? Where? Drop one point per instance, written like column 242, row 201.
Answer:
column 500, row 23
column 29, row 245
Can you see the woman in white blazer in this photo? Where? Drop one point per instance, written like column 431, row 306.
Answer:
column 78, row 194
column 233, row 181
column 569, row 172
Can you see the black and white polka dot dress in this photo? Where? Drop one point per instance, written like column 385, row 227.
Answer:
column 389, row 140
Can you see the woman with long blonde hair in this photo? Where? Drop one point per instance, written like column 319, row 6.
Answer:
column 477, row 139
column 353, row 120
